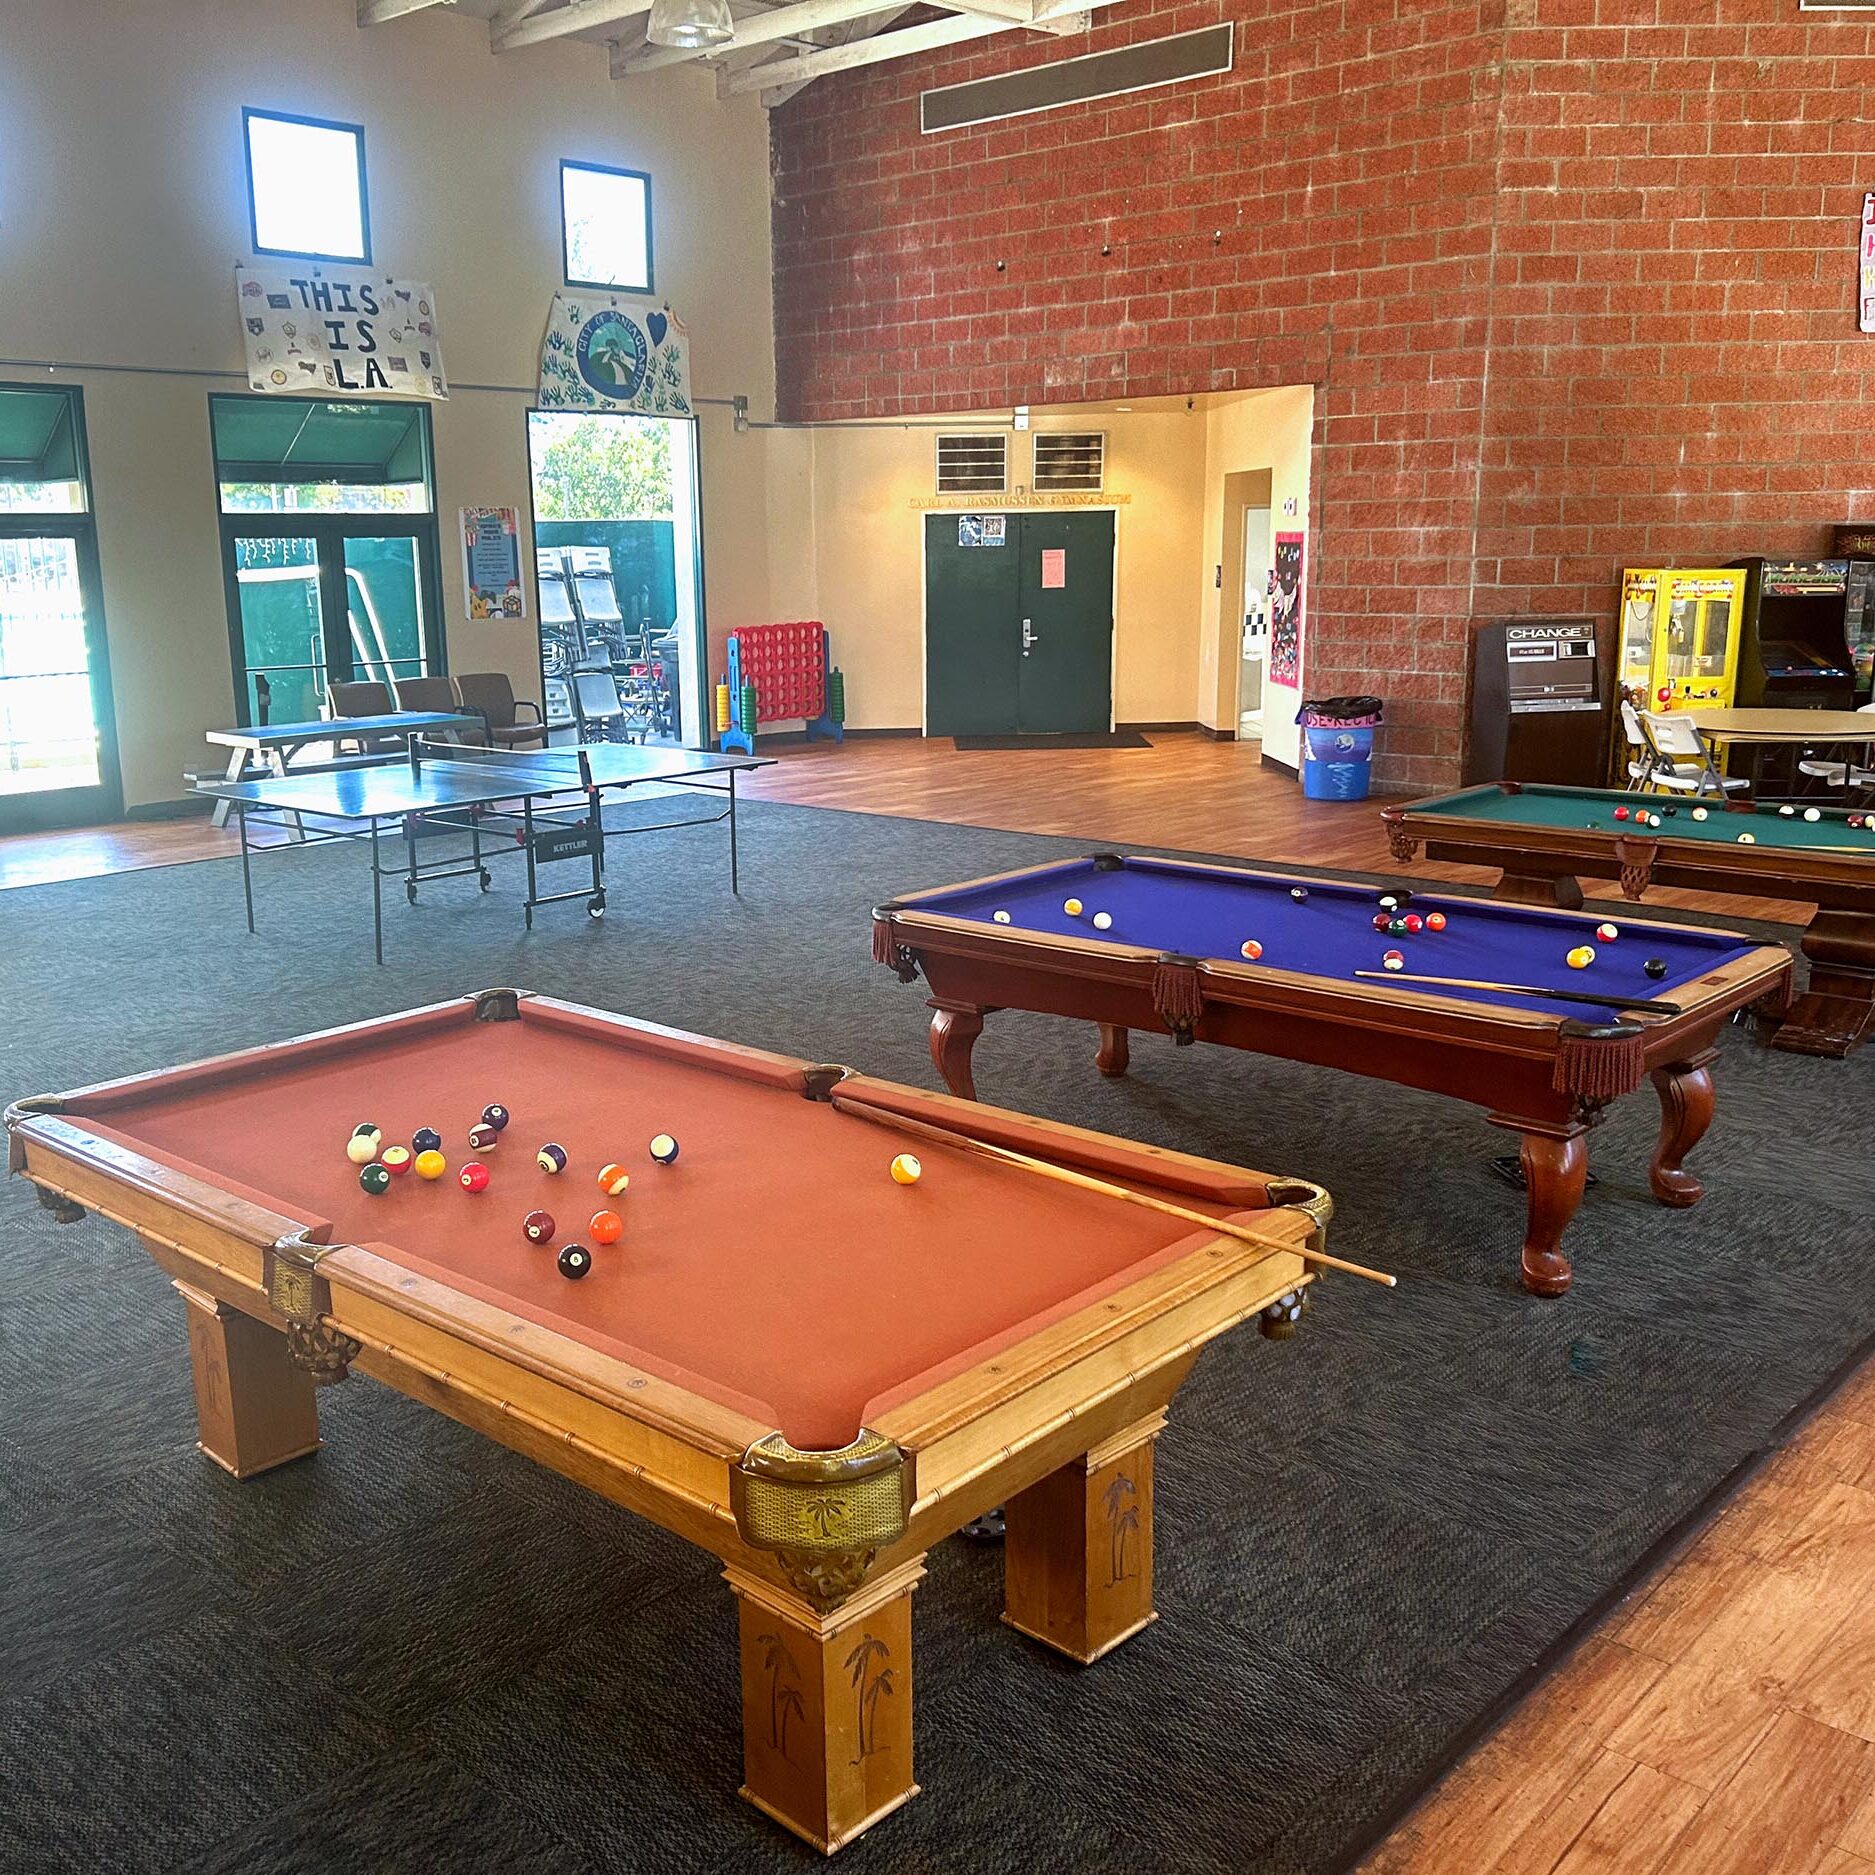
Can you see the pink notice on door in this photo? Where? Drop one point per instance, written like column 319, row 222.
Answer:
column 1054, row 568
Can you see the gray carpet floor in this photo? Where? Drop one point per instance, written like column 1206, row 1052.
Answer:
column 419, row 1652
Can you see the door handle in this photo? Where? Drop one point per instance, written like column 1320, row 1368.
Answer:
column 1028, row 636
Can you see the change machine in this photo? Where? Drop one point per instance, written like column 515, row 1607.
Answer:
column 1679, row 636
column 1539, row 707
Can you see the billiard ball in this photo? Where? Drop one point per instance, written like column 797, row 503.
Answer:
column 663, row 1148
column 497, row 1116
column 1621, row 813
column 1607, row 932
column 375, row 1180
column 1747, row 839
column 1299, row 893
column 574, row 1261
column 431, row 1164
column 1413, row 922
column 613, row 1179
column 473, row 1176
column 363, row 1145
column 1397, row 927
column 1103, row 921
column 999, row 917
column 1435, row 921
column 1393, row 960
column 1381, row 921
column 426, row 1139
column 1699, row 813
column 1655, row 967
column 1670, row 812
column 483, row 1137
column 605, row 1227
column 1389, row 901
column 1581, row 957
column 395, row 1159
column 1072, row 906
column 551, row 1158
column 1813, row 813
column 905, row 1169
column 1250, row 950
column 538, row 1227
column 1787, row 810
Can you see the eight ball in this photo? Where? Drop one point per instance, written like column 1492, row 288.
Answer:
column 574, row 1261
column 1655, row 967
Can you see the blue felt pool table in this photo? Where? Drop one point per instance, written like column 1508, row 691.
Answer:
column 1295, row 967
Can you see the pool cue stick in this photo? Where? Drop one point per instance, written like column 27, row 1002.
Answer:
column 1046, row 1168
column 1652, row 1006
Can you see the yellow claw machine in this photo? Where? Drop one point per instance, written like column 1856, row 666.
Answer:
column 1679, row 636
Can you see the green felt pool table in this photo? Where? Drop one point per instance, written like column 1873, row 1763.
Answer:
column 1542, row 837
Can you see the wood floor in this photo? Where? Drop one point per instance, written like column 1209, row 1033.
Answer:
column 1723, row 1721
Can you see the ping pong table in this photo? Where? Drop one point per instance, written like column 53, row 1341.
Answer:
column 260, row 747
column 547, row 802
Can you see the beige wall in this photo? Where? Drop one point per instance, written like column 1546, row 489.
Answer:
column 1252, row 430
column 123, row 210
column 846, row 546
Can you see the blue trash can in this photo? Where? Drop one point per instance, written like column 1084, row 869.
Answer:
column 1338, row 746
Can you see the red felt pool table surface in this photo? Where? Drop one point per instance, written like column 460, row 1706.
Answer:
column 775, row 1267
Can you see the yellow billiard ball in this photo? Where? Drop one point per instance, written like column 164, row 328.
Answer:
column 431, row 1165
column 1073, row 907
column 906, row 1170
column 1581, row 957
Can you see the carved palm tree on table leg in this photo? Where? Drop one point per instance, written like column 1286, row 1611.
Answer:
column 1122, row 1505
column 871, row 1682
column 784, row 1697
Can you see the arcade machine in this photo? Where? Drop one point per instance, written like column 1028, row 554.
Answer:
column 1539, row 703
column 1793, row 651
column 1679, row 637
column 1855, row 544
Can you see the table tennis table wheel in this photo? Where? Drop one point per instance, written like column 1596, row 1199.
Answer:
column 595, row 906
column 487, row 878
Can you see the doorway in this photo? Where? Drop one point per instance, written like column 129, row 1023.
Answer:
column 1019, row 623
column 329, row 550
column 58, row 740
column 618, row 566
column 1253, row 654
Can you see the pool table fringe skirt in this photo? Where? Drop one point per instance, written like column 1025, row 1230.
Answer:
column 1599, row 1063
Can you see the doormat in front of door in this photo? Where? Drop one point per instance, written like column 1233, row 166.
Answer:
column 1119, row 739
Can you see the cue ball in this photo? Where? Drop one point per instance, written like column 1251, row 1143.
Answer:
column 483, row 1137
column 396, row 1159
column 1607, row 932
column 1072, row 906
column 538, row 1227
column 1655, row 967
column 1699, row 813
column 1299, row 893
column 906, row 1170
column 1813, row 813
column 362, row 1148
column 664, row 1149
column 999, row 917
column 426, row 1139
column 574, row 1261
column 473, row 1176
column 375, row 1180
column 1581, row 957
column 1103, row 921
column 1435, row 921
column 605, row 1227
column 1251, row 949
column 497, row 1116
column 1393, row 960
column 1787, row 810
column 431, row 1164
column 551, row 1158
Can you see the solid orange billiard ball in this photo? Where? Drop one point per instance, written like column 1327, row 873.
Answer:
column 1435, row 921
column 605, row 1227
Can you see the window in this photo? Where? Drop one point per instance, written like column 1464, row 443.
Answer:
column 1070, row 461
column 973, row 463
column 306, row 187
column 605, row 219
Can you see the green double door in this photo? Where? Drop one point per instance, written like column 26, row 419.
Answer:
column 1018, row 624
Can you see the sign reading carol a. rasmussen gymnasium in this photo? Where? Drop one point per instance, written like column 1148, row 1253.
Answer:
column 319, row 329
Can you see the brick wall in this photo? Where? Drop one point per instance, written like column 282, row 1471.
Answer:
column 1575, row 280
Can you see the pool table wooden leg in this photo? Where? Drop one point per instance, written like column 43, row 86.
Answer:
column 1519, row 888
column 1555, row 1170
column 1077, row 1566
column 1114, row 1052
column 1686, row 1103
column 954, row 1031
column 826, row 1704
column 254, row 1407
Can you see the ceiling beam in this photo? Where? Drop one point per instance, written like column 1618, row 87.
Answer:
column 787, row 22
column 376, row 12
column 564, row 21
column 874, row 51
column 511, row 15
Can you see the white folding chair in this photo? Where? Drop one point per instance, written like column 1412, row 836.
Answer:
column 1641, row 762
column 1684, row 764
column 1841, row 774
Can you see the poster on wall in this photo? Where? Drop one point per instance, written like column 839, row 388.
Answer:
column 491, row 562
column 1865, row 279
column 982, row 530
column 603, row 353
column 1286, row 612
column 311, row 329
